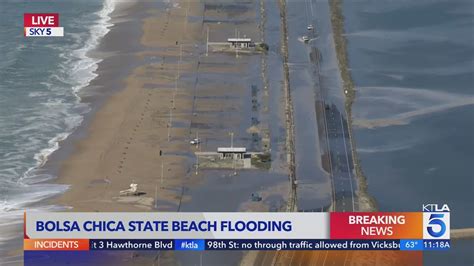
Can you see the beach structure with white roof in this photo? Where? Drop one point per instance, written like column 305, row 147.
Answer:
column 231, row 152
column 240, row 42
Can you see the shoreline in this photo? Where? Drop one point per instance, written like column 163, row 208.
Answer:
column 97, row 92
column 366, row 201
column 94, row 96
column 116, row 87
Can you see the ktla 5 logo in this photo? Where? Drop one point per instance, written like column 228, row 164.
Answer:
column 436, row 222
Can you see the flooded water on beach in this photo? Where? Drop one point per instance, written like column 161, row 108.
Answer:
column 223, row 91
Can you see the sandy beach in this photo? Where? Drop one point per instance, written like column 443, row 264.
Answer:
column 124, row 138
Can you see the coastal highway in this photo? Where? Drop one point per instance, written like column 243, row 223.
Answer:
column 331, row 132
column 329, row 96
column 334, row 139
column 324, row 156
column 341, row 163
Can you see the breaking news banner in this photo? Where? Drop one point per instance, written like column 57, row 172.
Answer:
column 411, row 231
column 42, row 25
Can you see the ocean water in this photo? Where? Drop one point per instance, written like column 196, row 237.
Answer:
column 413, row 66
column 40, row 82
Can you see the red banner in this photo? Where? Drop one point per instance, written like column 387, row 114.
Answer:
column 41, row 20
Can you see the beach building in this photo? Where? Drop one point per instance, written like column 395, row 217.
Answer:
column 231, row 152
column 240, row 42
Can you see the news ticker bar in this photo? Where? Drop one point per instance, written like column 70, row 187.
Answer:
column 236, row 231
column 233, row 244
column 245, row 225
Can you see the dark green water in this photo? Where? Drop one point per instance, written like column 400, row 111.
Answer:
column 413, row 66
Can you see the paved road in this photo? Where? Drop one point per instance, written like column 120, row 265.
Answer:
column 341, row 163
column 329, row 94
column 312, row 85
column 322, row 132
column 335, row 130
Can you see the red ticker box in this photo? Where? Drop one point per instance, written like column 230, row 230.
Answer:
column 376, row 225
